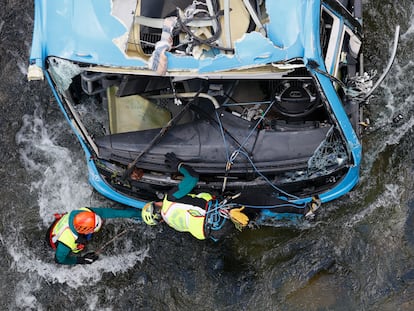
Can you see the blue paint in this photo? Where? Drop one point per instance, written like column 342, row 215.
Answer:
column 84, row 31
column 95, row 178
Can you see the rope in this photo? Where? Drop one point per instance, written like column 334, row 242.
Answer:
column 227, row 153
column 222, row 135
column 216, row 215
column 235, row 153
column 156, row 138
column 99, row 250
column 232, row 158
column 267, row 180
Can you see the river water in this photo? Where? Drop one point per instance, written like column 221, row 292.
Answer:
column 358, row 255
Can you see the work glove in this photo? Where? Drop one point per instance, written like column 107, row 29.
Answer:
column 239, row 219
column 172, row 161
column 87, row 258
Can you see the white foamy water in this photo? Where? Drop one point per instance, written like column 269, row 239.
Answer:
column 396, row 99
column 410, row 29
column 60, row 182
column 75, row 276
column 372, row 255
column 387, row 200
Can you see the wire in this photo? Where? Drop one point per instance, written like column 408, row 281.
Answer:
column 98, row 251
column 239, row 151
column 215, row 219
column 236, row 152
column 266, row 179
column 222, row 135
column 182, row 23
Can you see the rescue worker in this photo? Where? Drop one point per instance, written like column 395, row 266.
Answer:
column 199, row 214
column 70, row 232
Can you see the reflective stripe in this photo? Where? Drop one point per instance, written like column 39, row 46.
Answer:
column 62, row 233
column 184, row 218
column 56, row 235
column 50, row 231
column 203, row 195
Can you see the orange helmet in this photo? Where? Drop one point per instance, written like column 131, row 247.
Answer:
column 87, row 222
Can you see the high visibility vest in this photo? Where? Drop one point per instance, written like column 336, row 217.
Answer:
column 186, row 217
column 62, row 233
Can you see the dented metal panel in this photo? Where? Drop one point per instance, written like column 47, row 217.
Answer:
column 95, row 32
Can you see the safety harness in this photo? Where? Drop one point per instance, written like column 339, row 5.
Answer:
column 216, row 216
column 50, row 237
column 217, row 212
column 60, row 231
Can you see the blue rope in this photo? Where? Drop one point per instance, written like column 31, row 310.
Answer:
column 214, row 219
column 239, row 150
column 234, row 154
column 276, row 206
column 266, row 179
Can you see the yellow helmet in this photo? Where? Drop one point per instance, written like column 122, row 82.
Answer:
column 151, row 214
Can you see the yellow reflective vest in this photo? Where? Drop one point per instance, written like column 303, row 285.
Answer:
column 62, row 233
column 186, row 217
